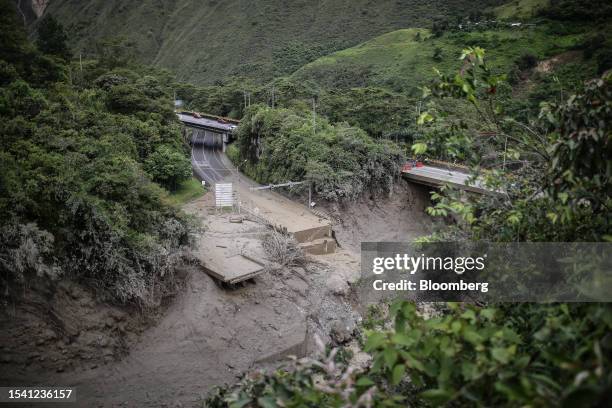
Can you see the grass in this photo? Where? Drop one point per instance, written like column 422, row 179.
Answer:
column 204, row 42
column 521, row 9
column 400, row 62
column 189, row 190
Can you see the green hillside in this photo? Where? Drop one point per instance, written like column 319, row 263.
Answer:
column 205, row 41
column 520, row 8
column 405, row 59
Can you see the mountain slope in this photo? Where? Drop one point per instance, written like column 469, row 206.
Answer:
column 204, row 41
column 404, row 59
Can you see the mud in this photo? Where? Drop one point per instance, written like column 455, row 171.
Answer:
column 209, row 335
column 399, row 217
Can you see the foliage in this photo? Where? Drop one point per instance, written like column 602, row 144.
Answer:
column 188, row 190
column 340, row 161
column 581, row 150
column 168, row 167
column 520, row 9
column 593, row 10
column 258, row 40
column 52, row 38
column 225, row 99
column 75, row 199
column 527, row 61
column 322, row 382
column 509, row 355
column 543, row 196
column 381, row 113
column 27, row 250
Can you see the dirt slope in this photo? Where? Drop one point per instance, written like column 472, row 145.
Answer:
column 399, row 217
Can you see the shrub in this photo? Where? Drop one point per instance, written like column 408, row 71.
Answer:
column 526, row 61
column 283, row 249
column 508, row 355
column 340, row 161
column 168, row 167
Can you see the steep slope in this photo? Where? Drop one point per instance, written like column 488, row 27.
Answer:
column 404, row 59
column 204, row 41
column 520, row 8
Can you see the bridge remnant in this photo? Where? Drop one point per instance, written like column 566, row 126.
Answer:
column 436, row 177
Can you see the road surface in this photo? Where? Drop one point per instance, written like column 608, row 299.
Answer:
column 207, row 157
column 436, row 176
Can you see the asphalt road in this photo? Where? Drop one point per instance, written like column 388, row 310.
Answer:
column 207, row 157
column 438, row 176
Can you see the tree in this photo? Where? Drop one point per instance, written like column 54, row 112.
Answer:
column 437, row 54
column 116, row 52
column 52, row 38
column 555, row 174
column 168, row 167
column 527, row 61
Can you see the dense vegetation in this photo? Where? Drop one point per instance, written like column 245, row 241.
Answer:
column 339, row 161
column 81, row 147
column 496, row 355
column 511, row 355
column 552, row 165
column 208, row 41
column 85, row 144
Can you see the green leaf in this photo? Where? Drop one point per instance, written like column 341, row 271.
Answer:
column 501, row 354
column 364, row 382
column 374, row 341
column 437, row 396
column 469, row 315
column 425, row 117
column 488, row 314
column 390, row 357
column 267, row 402
column 471, row 336
column 398, row 374
column 402, row 339
column 469, row 370
column 419, row 148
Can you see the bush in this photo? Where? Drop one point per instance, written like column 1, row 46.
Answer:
column 340, row 161
column 168, row 167
column 526, row 61
column 510, row 355
column 75, row 199
column 283, row 249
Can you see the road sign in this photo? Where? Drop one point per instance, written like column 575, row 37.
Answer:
column 224, row 195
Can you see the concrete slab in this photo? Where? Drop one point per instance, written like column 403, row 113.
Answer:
column 232, row 269
column 436, row 176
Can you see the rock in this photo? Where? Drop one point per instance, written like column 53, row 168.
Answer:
column 340, row 333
